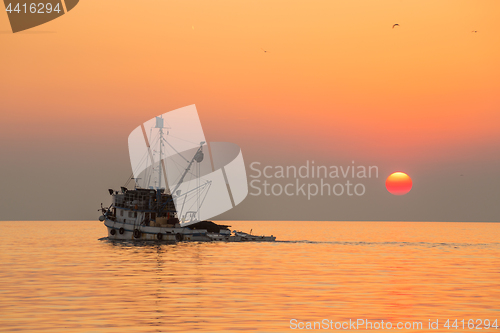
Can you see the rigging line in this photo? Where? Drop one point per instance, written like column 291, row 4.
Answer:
column 208, row 188
column 193, row 196
column 175, row 150
column 199, row 178
column 191, row 193
column 141, row 162
column 198, row 184
column 149, row 180
column 180, row 169
column 189, row 172
column 129, row 179
column 201, row 204
column 139, row 174
column 177, row 166
column 150, row 171
column 185, row 172
column 195, row 143
column 162, row 165
column 185, row 197
column 148, row 145
column 198, row 199
column 182, row 209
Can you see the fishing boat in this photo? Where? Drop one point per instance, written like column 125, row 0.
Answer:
column 154, row 211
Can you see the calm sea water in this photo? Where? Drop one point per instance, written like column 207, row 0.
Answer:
column 65, row 277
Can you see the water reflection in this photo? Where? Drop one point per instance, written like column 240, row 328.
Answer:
column 64, row 276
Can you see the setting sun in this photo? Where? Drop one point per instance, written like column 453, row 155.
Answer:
column 398, row 183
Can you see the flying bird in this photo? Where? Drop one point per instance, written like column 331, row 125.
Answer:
column 263, row 50
column 474, row 31
column 395, row 25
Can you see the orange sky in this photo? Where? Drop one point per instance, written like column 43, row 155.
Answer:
column 331, row 66
column 336, row 78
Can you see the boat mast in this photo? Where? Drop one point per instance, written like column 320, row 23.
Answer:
column 159, row 164
column 159, row 124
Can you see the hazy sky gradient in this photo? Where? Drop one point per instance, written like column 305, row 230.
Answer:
column 337, row 84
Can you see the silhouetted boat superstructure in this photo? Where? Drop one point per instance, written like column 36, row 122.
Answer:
column 150, row 213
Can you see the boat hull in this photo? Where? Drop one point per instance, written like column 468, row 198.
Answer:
column 127, row 231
